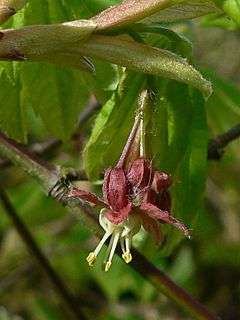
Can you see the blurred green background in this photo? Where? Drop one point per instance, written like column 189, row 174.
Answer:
column 208, row 266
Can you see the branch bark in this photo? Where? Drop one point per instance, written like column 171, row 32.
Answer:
column 216, row 146
column 48, row 175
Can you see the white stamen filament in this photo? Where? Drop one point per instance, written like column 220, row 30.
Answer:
column 112, row 247
column 92, row 257
column 122, row 243
column 123, row 232
column 101, row 243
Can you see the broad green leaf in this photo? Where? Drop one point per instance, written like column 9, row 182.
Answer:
column 179, row 140
column 158, row 132
column 103, row 81
column 165, row 38
column 190, row 172
column 111, row 128
column 146, row 59
column 58, row 96
column 12, row 112
column 180, row 115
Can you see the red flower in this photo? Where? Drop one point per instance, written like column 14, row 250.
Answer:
column 134, row 195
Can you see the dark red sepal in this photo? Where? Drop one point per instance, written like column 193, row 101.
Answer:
column 140, row 174
column 116, row 189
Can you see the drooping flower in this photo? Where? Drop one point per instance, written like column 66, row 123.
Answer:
column 134, row 195
column 132, row 198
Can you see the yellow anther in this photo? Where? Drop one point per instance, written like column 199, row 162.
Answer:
column 127, row 257
column 107, row 266
column 91, row 259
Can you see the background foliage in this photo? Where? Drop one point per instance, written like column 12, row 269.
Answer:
column 41, row 101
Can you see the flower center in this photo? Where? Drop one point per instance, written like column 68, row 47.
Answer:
column 122, row 232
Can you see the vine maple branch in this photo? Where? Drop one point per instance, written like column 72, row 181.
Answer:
column 216, row 146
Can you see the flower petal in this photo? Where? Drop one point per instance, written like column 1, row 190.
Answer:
column 140, row 173
column 163, row 201
column 115, row 189
column 164, row 216
column 161, row 181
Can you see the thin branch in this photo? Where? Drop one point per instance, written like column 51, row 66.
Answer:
column 140, row 263
column 31, row 244
column 164, row 284
column 216, row 146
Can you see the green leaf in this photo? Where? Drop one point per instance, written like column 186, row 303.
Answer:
column 226, row 97
column 111, row 128
column 190, row 171
column 165, row 38
column 179, row 139
column 146, row 59
column 12, row 112
column 220, row 21
column 104, row 81
column 57, row 96
column 232, row 8
column 230, row 20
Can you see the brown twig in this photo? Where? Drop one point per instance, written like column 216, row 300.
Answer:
column 25, row 234
column 216, row 146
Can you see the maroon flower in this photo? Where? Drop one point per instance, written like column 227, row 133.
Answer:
column 134, row 195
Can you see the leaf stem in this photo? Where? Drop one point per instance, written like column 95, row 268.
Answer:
column 216, row 146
